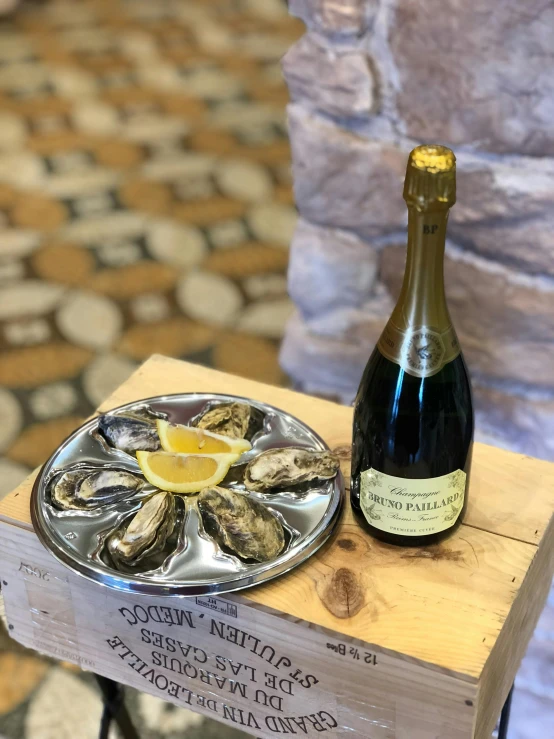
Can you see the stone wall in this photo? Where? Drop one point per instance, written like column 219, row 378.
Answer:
column 369, row 80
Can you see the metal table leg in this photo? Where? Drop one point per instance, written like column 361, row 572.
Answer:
column 114, row 710
column 505, row 716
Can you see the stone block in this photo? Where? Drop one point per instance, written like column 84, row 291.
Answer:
column 340, row 84
column 504, row 211
column 329, row 269
column 332, row 305
column 323, row 365
column 361, row 325
column 335, row 17
column 476, row 74
column 526, row 244
column 521, row 423
column 529, row 362
column 487, row 301
column 343, row 180
column 333, row 367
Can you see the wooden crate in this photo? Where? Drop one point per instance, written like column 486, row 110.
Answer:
column 364, row 640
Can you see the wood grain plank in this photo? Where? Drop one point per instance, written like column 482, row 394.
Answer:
column 511, row 645
column 443, row 605
column 388, row 695
column 510, row 494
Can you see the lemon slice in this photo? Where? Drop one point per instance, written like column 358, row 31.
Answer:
column 184, row 473
column 190, row 440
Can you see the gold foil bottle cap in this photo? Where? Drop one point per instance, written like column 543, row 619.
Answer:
column 431, row 178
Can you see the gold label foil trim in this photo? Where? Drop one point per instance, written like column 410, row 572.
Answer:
column 421, row 351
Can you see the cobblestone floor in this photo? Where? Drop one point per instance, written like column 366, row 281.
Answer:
column 146, row 206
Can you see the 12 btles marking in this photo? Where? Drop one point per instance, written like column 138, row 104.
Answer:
column 368, row 657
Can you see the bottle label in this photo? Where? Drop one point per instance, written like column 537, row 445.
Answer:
column 412, row 507
column 421, row 351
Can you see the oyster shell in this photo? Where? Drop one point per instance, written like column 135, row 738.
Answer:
column 280, row 468
column 129, row 433
column 242, row 525
column 145, row 413
column 146, row 533
column 86, row 488
column 237, row 420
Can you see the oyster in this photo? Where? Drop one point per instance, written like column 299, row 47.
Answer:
column 87, row 488
column 237, row 420
column 145, row 413
column 242, row 525
column 147, row 532
column 129, row 433
column 280, row 468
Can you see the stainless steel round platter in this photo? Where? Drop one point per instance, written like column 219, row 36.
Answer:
column 196, row 565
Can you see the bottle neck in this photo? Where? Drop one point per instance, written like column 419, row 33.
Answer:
column 419, row 335
column 422, row 300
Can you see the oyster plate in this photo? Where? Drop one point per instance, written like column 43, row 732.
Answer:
column 193, row 562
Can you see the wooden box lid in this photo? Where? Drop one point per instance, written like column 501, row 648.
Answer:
column 465, row 607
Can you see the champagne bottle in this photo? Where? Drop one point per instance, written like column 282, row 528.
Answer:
column 413, row 418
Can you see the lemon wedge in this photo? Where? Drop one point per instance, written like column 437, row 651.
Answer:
column 184, row 473
column 189, row 440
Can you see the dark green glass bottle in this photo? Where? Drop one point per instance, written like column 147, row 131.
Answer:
column 413, row 420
